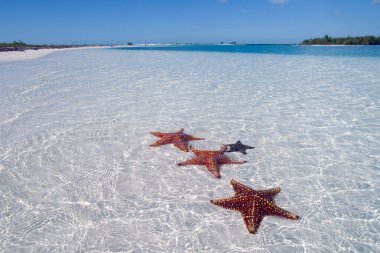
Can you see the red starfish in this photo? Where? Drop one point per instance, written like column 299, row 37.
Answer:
column 253, row 205
column 178, row 139
column 210, row 159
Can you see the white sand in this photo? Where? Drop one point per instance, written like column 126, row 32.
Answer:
column 32, row 54
column 25, row 55
column 77, row 174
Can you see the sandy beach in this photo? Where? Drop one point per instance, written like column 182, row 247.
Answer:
column 33, row 54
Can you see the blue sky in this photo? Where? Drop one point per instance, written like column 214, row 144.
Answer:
column 204, row 21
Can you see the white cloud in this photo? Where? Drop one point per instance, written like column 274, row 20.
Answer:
column 284, row 1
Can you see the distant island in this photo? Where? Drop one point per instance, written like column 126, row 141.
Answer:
column 21, row 46
column 327, row 40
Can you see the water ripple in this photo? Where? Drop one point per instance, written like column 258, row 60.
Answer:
column 76, row 172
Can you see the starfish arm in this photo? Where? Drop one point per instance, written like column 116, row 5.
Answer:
column 192, row 138
column 273, row 191
column 182, row 146
column 194, row 161
column 277, row 211
column 248, row 207
column 241, row 189
column 248, row 147
column 244, row 152
column 269, row 194
column 163, row 141
column 197, row 152
column 213, row 168
column 252, row 219
column 158, row 134
column 234, row 203
column 226, row 160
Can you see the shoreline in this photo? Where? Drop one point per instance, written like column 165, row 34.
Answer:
column 28, row 54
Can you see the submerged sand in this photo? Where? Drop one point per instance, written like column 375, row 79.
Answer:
column 77, row 173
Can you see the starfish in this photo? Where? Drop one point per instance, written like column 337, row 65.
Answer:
column 211, row 159
column 253, row 205
column 238, row 147
column 178, row 139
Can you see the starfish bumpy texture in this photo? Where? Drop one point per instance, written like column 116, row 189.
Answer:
column 211, row 159
column 238, row 147
column 179, row 139
column 253, row 205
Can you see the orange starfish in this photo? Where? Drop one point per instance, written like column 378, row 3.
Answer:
column 210, row 159
column 178, row 139
column 253, row 205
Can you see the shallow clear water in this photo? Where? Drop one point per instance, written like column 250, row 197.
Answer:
column 77, row 174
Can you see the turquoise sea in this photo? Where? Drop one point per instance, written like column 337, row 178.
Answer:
column 349, row 51
column 77, row 173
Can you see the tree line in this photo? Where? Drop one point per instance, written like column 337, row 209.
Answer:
column 13, row 44
column 359, row 40
column 21, row 46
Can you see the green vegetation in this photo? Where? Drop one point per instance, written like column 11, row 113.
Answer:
column 326, row 40
column 21, row 46
column 13, row 44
